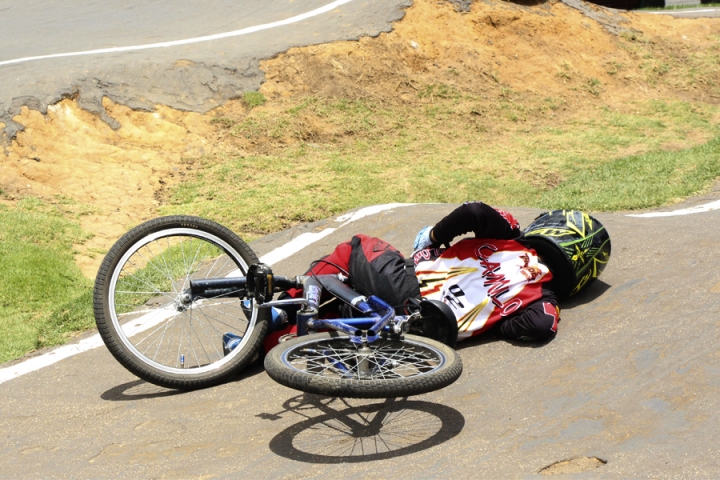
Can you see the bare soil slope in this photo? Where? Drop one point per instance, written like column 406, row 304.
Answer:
column 547, row 50
column 116, row 178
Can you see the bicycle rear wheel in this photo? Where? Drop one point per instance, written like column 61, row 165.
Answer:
column 330, row 364
column 149, row 322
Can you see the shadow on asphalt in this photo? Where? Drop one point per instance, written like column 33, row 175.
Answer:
column 336, row 431
column 589, row 294
column 137, row 390
column 140, row 389
column 486, row 338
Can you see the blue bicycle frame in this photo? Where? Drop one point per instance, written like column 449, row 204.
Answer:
column 360, row 330
column 261, row 285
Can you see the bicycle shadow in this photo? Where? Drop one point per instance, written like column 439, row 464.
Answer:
column 362, row 433
column 140, row 389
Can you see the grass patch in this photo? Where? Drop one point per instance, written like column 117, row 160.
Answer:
column 43, row 294
column 320, row 157
column 254, row 99
column 639, row 181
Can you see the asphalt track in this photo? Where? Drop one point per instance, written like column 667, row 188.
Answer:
column 632, row 379
column 142, row 54
column 699, row 12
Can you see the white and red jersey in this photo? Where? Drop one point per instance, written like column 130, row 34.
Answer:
column 481, row 280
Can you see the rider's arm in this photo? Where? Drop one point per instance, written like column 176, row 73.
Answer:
column 477, row 217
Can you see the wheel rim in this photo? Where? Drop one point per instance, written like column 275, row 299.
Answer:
column 162, row 326
column 386, row 359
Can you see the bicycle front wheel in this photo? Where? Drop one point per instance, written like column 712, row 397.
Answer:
column 330, row 364
column 151, row 324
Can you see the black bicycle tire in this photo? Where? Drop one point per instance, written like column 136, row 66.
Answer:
column 277, row 368
column 125, row 356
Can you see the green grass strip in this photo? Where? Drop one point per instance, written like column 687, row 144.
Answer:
column 43, row 294
column 640, row 181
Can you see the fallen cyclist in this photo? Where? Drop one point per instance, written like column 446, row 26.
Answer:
column 505, row 280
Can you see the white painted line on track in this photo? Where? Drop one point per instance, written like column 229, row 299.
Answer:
column 298, row 243
column 682, row 10
column 236, row 33
column 157, row 316
column 685, row 211
column 294, row 246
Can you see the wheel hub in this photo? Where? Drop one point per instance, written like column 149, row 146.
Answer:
column 363, row 361
column 183, row 301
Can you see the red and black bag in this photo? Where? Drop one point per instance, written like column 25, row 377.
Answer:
column 377, row 268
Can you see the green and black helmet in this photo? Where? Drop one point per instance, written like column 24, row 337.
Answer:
column 574, row 246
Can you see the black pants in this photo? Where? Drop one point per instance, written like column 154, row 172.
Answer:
column 537, row 322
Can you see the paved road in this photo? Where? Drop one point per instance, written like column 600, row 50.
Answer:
column 195, row 75
column 700, row 12
column 633, row 378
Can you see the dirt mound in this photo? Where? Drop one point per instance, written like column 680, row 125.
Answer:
column 550, row 49
column 108, row 179
column 494, row 49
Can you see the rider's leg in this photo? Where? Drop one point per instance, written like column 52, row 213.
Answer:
column 537, row 322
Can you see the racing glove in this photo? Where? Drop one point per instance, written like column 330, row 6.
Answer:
column 423, row 239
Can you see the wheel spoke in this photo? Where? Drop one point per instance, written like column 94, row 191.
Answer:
column 341, row 358
column 153, row 275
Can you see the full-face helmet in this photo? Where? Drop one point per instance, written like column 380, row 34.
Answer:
column 574, row 245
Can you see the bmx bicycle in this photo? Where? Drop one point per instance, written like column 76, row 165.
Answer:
column 170, row 290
